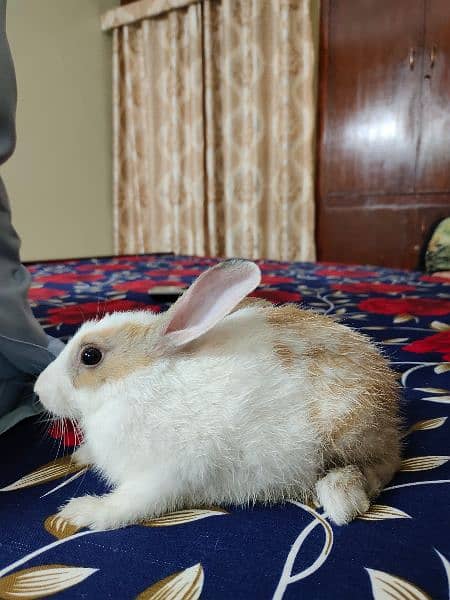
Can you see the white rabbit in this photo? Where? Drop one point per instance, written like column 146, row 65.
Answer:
column 219, row 401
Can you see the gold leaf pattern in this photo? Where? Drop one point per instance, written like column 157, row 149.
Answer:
column 379, row 512
column 41, row 581
column 442, row 368
column 403, row 318
column 183, row 516
column 390, row 587
column 430, row 390
column 59, row 527
column 184, row 585
column 442, row 399
column 428, row 424
column 446, row 565
column 54, row 470
column 423, row 463
column 440, row 326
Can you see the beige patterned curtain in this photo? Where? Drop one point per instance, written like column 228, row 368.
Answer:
column 213, row 127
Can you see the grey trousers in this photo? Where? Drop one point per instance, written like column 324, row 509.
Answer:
column 25, row 350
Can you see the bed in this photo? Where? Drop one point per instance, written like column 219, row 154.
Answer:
column 399, row 549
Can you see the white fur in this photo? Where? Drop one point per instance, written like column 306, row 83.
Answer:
column 342, row 493
column 219, row 422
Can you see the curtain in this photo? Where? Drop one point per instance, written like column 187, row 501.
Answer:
column 213, row 127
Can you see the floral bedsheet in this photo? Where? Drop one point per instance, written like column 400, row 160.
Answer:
column 400, row 549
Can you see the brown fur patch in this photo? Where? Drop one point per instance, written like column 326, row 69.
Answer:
column 356, row 392
column 282, row 318
column 289, row 315
column 251, row 302
column 316, row 354
column 377, row 399
column 285, row 354
column 123, row 353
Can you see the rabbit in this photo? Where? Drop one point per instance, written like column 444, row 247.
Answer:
column 224, row 400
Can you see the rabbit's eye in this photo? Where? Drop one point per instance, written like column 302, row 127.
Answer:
column 91, row 356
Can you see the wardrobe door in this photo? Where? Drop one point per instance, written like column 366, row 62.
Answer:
column 371, row 71
column 433, row 165
column 369, row 123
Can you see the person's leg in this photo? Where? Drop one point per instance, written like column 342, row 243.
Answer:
column 24, row 347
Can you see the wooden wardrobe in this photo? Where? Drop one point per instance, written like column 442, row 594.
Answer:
column 383, row 178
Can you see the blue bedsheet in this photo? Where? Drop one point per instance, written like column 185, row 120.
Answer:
column 400, row 549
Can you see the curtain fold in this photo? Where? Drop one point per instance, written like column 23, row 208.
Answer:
column 213, row 130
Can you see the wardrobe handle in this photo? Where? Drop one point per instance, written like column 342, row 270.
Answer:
column 433, row 56
column 412, row 58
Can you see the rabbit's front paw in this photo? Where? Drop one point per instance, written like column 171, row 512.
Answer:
column 89, row 511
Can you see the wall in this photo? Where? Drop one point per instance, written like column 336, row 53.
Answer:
column 59, row 179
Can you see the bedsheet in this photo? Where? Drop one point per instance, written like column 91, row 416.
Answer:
column 399, row 549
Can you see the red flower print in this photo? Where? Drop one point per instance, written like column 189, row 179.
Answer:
column 276, row 279
column 377, row 288
column 439, row 342
column 352, row 273
column 43, row 293
column 157, row 273
column 67, row 278
column 66, row 432
column 133, row 258
column 272, row 266
column 411, row 306
column 174, row 273
column 277, row 296
column 435, row 279
column 145, row 285
column 91, row 310
column 187, row 272
column 104, row 267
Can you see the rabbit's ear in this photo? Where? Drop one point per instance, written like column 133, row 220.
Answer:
column 209, row 299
